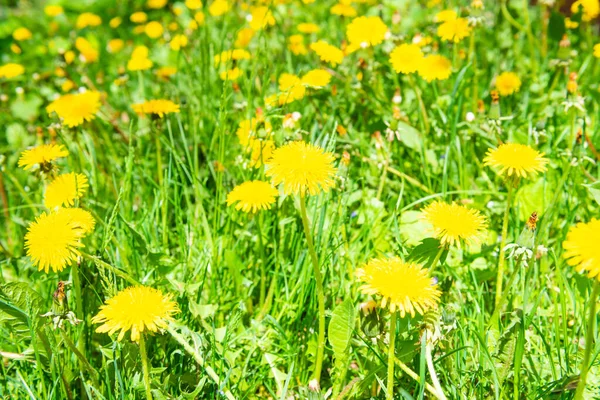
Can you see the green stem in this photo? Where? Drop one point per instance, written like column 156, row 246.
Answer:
column 500, row 305
column 432, row 373
column 421, row 103
column 320, row 292
column 78, row 303
column 437, row 258
column 501, row 260
column 263, row 263
column 159, row 170
column 391, row 357
column 589, row 339
column 417, row 379
column 145, row 370
column 84, row 362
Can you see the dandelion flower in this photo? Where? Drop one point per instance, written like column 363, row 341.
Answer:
column 252, row 196
column 435, row 67
column 405, row 287
column 75, row 109
column 65, row 189
column 597, row 50
column 508, row 83
column 454, row 30
column 316, row 78
column 139, row 60
column 42, row 156
column 235, row 54
column 178, row 42
column 260, row 151
column 327, row 52
column 87, row 19
column 139, row 17
column 261, row 18
column 517, row 159
column 244, row 36
column 193, row 4
column 53, row 10
column 115, row 45
column 302, row 168
column 219, row 7
column 231, row 74
column 21, row 34
column 156, row 4
column 53, row 241
column 11, row 70
column 81, row 219
column 406, row 58
column 445, row 15
column 343, row 9
column 308, row 27
column 590, row 8
column 165, row 72
column 88, row 53
column 158, row 107
column 136, row 309
column 154, row 30
column 366, row 31
column 296, row 44
column 455, row 224
column 248, row 129
column 581, row 247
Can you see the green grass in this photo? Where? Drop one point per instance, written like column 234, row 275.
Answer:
column 176, row 233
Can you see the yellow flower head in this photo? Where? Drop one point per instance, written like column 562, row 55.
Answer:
column 581, row 247
column 590, row 8
column 454, row 30
column 65, row 189
column 508, row 83
column 231, row 74
column 87, row 19
column 156, row 4
column 244, row 36
column 82, row 220
column 139, row 60
column 316, row 78
column 296, row 44
column 252, row 196
column 406, row 58
column 597, row 50
column 42, row 156
column 115, row 22
column 247, row 129
column 115, row 45
column 53, row 10
column 235, row 54
column 193, row 4
column 154, row 29
column 178, row 42
column 11, row 70
column 261, row 18
column 260, row 151
column 406, row 287
column 136, row 309
column 75, row 109
column 366, row 31
column 445, row 15
column 308, row 28
column 516, row 159
column 327, row 52
column 454, row 224
column 165, row 72
column 53, row 241
column 158, row 107
column 88, row 53
column 21, row 34
column 302, row 168
column 219, row 7
column 435, row 67
column 139, row 17
column 343, row 9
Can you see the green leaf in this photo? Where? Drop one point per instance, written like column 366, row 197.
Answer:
column 26, row 109
column 412, row 228
column 426, row 252
column 594, row 189
column 556, row 26
column 341, row 327
column 409, row 136
column 535, row 196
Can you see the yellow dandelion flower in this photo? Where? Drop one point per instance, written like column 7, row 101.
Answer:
column 516, row 159
column 139, row 17
column 316, row 78
column 139, row 60
column 158, row 107
column 327, row 52
column 435, row 67
column 156, row 4
column 165, row 72
column 343, row 9
column 11, row 70
column 302, row 168
column 81, row 219
column 115, row 22
column 366, row 31
column 53, row 10
column 296, row 44
column 445, row 15
column 454, row 30
column 235, row 54
column 508, row 83
column 21, row 34
column 252, row 196
column 231, row 74
column 178, row 42
column 75, row 109
column 193, row 4
column 597, row 50
column 590, row 9
column 454, row 224
column 88, row 53
column 308, row 27
column 87, row 19
column 406, row 58
column 199, row 19
column 42, row 156
column 404, row 287
column 154, row 29
column 65, row 189
column 244, row 36
column 260, row 151
column 15, row 48
column 581, row 247
column 247, row 129
column 219, row 7
column 115, row 45
column 136, row 309
column 261, row 18
column 53, row 241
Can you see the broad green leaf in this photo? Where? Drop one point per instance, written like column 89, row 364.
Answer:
column 412, row 229
column 409, row 136
column 535, row 196
column 341, row 327
column 426, row 252
column 27, row 108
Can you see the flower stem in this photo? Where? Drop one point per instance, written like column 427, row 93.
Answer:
column 263, row 263
column 78, row 303
column 433, row 374
column 503, row 245
column 391, row 357
column 589, row 339
column 320, row 293
column 436, row 260
column 145, row 370
column 421, row 103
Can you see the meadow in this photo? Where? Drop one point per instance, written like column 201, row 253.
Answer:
column 299, row 199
